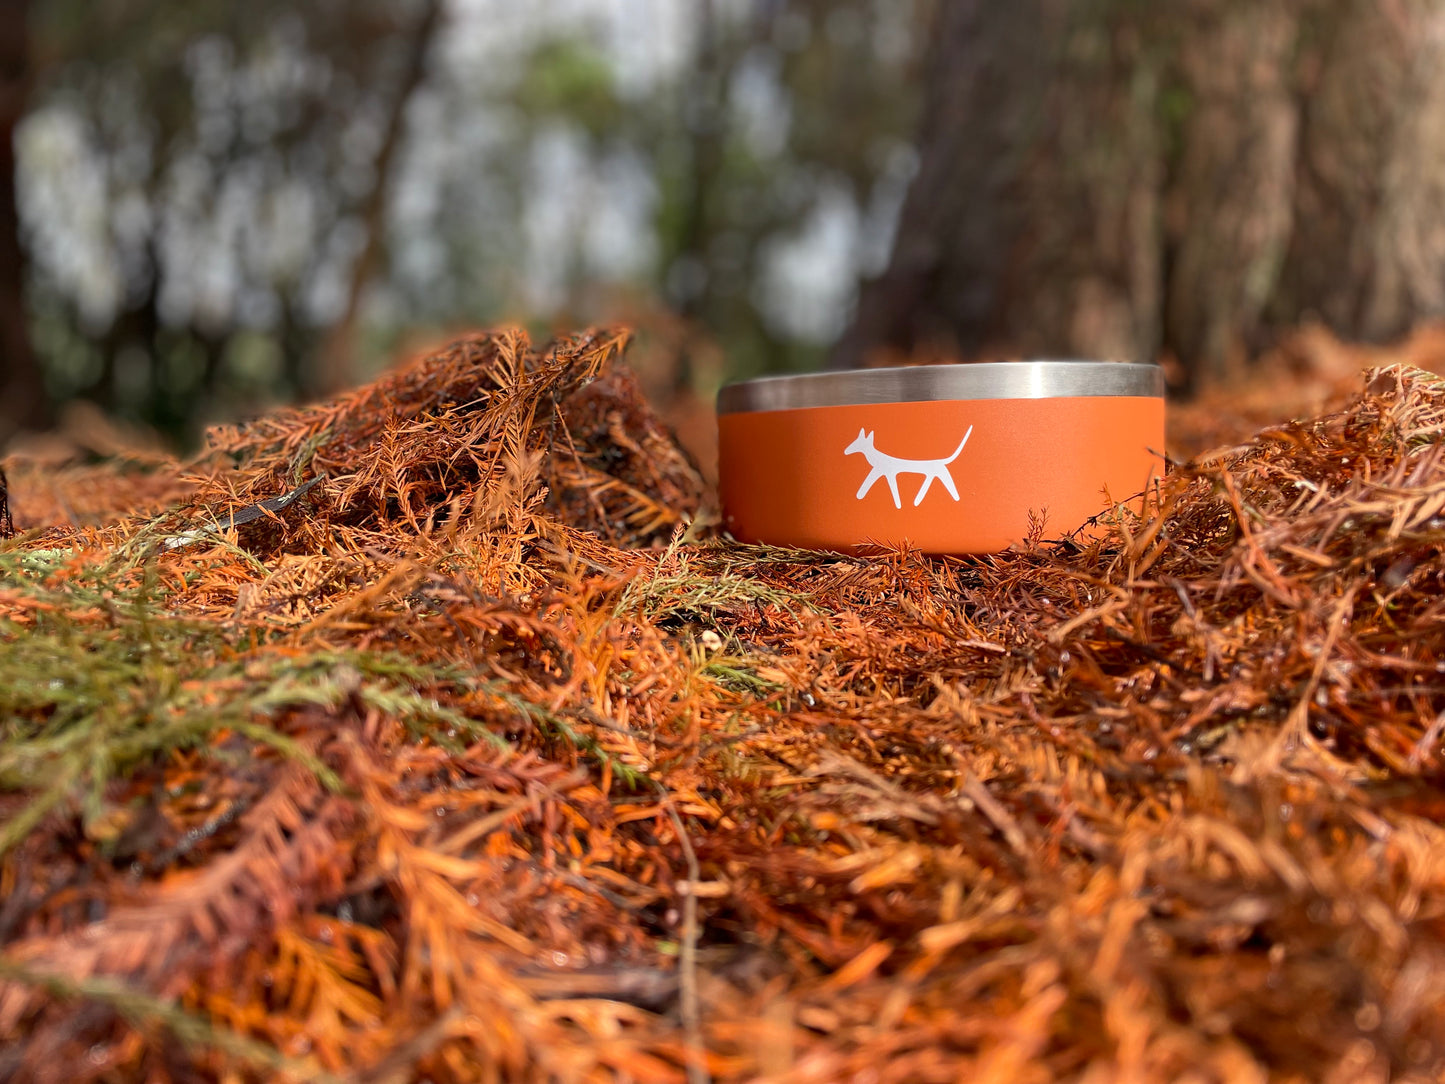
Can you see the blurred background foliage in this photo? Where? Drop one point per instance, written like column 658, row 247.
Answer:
column 209, row 207
column 224, row 205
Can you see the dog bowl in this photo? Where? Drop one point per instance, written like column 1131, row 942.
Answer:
column 946, row 458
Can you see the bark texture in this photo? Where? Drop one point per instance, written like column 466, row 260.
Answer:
column 1119, row 179
column 1015, row 188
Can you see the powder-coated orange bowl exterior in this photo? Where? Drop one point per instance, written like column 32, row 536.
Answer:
column 950, row 459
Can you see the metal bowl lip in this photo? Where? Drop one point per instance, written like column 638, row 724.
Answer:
column 1034, row 379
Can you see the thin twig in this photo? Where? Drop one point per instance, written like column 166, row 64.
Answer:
column 697, row 1072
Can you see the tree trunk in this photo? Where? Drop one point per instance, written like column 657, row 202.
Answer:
column 1368, row 254
column 336, row 360
column 1116, row 179
column 23, row 403
column 1231, row 188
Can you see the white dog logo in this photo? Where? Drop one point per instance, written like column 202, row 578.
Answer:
column 890, row 467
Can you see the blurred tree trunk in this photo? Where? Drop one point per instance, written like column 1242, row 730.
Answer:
column 705, row 118
column 1117, row 179
column 336, row 361
column 22, row 391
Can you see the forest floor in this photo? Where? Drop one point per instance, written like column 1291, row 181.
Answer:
column 432, row 733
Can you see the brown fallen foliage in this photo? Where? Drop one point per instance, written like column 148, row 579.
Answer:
column 1163, row 807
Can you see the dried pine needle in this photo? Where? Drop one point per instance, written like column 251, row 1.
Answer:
column 439, row 770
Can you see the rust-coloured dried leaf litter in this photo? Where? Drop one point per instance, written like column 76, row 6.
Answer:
column 435, row 736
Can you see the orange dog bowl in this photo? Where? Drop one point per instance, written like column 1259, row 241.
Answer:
column 947, row 458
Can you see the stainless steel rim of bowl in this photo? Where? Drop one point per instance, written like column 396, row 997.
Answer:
column 927, row 383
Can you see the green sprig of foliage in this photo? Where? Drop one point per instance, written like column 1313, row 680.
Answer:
column 104, row 680
column 676, row 589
